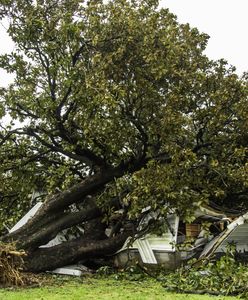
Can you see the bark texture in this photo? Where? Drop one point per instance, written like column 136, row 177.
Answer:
column 44, row 259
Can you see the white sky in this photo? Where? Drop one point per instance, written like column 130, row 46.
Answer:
column 226, row 21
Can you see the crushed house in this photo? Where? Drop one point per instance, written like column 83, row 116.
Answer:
column 177, row 244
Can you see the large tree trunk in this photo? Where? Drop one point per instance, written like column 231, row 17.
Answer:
column 44, row 259
column 56, row 214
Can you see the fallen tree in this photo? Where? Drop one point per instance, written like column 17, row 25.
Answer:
column 114, row 109
column 52, row 218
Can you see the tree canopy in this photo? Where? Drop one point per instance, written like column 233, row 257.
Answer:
column 117, row 102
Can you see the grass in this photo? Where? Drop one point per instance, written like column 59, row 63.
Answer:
column 99, row 289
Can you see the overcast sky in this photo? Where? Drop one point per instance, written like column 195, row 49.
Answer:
column 226, row 22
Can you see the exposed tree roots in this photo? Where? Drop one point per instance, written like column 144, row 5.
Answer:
column 11, row 263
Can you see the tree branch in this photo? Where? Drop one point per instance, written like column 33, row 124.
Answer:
column 66, row 220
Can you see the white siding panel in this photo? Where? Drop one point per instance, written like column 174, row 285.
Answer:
column 238, row 236
column 28, row 216
column 146, row 251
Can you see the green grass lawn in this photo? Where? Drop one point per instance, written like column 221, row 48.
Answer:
column 92, row 288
